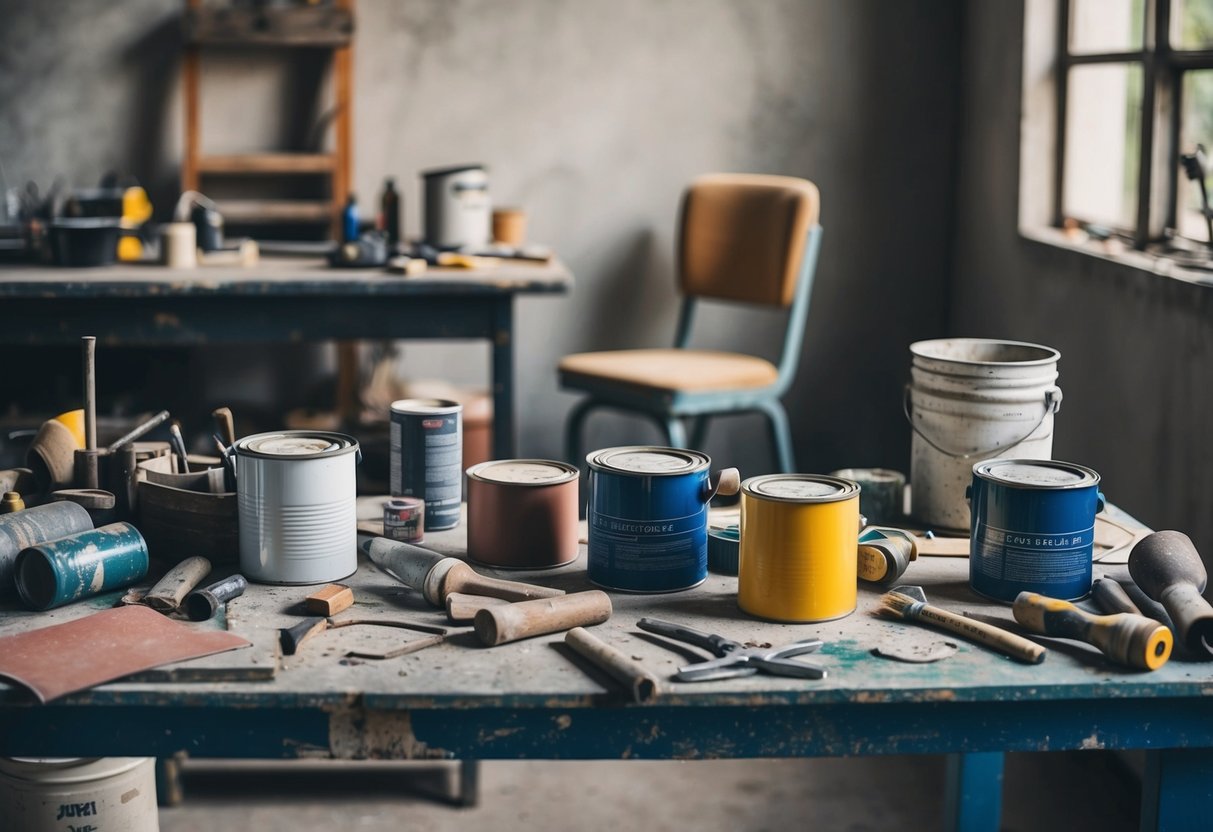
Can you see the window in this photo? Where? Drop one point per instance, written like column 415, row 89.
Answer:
column 1134, row 94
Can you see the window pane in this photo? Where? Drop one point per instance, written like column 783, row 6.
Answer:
column 1103, row 134
column 1106, row 25
column 1192, row 24
column 1197, row 129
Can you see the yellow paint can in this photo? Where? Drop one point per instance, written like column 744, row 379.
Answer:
column 799, row 542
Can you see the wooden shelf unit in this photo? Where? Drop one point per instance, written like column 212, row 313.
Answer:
column 325, row 27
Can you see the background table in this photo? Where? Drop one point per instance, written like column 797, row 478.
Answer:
column 281, row 300
column 533, row 699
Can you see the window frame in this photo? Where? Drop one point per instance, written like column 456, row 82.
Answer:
column 1163, row 69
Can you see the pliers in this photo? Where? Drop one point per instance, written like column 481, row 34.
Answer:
column 735, row 658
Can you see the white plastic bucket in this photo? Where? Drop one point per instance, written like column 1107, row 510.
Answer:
column 54, row 795
column 971, row 399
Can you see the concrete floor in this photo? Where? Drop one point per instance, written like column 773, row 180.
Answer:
column 1043, row 791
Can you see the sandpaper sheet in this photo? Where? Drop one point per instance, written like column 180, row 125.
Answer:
column 63, row 658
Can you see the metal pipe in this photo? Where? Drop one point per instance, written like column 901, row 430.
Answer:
column 88, row 346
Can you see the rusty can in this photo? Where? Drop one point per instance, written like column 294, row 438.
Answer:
column 404, row 519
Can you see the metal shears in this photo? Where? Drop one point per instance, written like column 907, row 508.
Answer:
column 735, row 658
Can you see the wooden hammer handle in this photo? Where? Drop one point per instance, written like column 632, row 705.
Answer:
column 463, row 579
column 511, row 622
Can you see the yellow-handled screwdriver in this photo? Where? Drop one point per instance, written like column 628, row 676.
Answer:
column 1131, row 640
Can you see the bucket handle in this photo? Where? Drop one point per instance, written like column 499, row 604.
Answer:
column 1052, row 405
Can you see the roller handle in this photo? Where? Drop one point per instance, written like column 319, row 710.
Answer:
column 1131, row 640
column 996, row 638
column 463, row 579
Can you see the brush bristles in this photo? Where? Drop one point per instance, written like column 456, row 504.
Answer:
column 897, row 605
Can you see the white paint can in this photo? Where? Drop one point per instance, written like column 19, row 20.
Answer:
column 296, row 493
column 57, row 794
column 971, row 399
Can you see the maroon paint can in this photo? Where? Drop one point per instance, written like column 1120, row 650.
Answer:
column 522, row 513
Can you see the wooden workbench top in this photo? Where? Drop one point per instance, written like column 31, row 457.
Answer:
column 277, row 275
column 540, row 673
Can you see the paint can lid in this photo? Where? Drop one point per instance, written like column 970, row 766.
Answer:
column 523, row 472
column 425, row 407
column 648, row 460
column 1036, row 473
column 398, row 504
column 800, row 488
column 296, row 444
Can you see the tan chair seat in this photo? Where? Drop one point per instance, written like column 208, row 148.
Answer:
column 671, row 369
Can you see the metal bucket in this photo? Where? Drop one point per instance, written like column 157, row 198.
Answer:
column 296, row 495
column 1033, row 528
column 522, row 513
column 56, row 794
column 648, row 517
column 799, row 546
column 971, row 399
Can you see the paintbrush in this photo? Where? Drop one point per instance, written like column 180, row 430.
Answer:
column 898, row 605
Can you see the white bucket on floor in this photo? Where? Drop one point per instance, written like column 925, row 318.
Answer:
column 98, row 793
column 972, row 399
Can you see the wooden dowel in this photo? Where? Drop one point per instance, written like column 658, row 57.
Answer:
column 642, row 684
column 511, row 622
column 168, row 593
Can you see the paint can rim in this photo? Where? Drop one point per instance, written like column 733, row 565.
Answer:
column 694, row 460
column 1051, row 355
column 987, row 470
column 569, row 473
column 345, row 444
column 426, row 407
column 846, row 489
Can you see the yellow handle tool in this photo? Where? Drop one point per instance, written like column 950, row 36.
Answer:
column 1131, row 640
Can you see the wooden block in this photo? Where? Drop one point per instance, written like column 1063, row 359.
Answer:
column 330, row 600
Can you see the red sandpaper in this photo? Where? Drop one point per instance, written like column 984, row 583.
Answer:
column 58, row 660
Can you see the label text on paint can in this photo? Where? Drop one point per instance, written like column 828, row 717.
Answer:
column 403, row 520
column 651, row 546
column 427, row 462
column 1012, row 556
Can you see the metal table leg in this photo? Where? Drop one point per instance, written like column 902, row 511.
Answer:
column 469, row 783
column 1177, row 789
column 503, row 377
column 974, row 797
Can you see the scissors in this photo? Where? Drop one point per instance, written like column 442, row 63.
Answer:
column 735, row 658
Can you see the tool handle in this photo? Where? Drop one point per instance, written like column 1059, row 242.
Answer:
column 499, row 625
column 178, row 443
column 712, row 643
column 996, row 638
column 1111, row 597
column 292, row 638
column 168, row 593
column 1127, row 639
column 462, row 578
column 1192, row 616
column 462, row 609
column 139, row 431
column 640, row 683
column 225, row 424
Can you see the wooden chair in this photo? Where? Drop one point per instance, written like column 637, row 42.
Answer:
column 742, row 237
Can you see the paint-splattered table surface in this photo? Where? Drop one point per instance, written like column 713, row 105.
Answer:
column 277, row 276
column 540, row 672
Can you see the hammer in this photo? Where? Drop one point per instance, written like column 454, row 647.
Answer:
column 437, row 576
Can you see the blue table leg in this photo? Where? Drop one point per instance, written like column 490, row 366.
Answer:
column 1177, row 790
column 973, row 800
column 503, row 377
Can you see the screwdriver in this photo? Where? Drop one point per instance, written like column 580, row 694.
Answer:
column 1127, row 639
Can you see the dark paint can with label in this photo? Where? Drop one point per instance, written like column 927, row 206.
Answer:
column 648, row 518
column 1033, row 528
column 404, row 519
column 427, row 457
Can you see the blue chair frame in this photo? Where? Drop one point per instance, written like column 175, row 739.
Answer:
column 668, row 409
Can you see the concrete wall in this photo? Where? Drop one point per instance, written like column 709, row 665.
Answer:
column 1136, row 347
column 592, row 116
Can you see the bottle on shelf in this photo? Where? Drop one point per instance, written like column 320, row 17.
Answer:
column 389, row 206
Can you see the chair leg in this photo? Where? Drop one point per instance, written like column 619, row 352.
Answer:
column 572, row 431
column 699, row 432
column 675, row 431
column 781, row 434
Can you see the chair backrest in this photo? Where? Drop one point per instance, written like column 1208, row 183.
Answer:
column 742, row 236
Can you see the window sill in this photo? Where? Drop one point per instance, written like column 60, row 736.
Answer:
column 1116, row 251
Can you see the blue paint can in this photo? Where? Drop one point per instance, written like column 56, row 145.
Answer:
column 648, row 517
column 1033, row 528
column 80, row 565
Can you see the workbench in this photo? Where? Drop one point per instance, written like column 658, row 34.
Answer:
column 535, row 699
column 281, row 300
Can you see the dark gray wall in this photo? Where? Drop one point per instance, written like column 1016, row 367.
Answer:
column 592, row 115
column 1136, row 347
